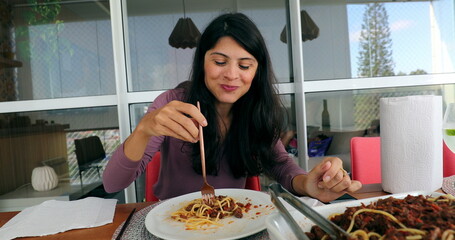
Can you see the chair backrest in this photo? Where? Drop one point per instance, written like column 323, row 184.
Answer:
column 151, row 177
column 366, row 159
column 449, row 161
column 253, row 183
column 153, row 170
column 88, row 150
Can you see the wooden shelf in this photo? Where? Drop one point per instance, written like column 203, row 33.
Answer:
column 26, row 148
column 7, row 63
column 33, row 129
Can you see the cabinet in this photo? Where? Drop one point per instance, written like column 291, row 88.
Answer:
column 23, row 149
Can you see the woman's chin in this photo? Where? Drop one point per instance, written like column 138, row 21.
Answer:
column 227, row 99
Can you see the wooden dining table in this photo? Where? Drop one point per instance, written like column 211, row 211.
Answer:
column 123, row 210
column 102, row 232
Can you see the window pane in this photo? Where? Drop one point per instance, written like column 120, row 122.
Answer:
column 374, row 39
column 289, row 132
column 137, row 111
column 356, row 113
column 155, row 65
column 56, row 50
column 33, row 139
column 289, row 129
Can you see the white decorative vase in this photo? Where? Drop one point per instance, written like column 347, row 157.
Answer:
column 44, row 178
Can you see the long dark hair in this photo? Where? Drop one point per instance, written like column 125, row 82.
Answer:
column 257, row 116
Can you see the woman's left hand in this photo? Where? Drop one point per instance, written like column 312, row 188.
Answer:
column 326, row 182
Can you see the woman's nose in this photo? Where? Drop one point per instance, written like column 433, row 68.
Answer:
column 231, row 72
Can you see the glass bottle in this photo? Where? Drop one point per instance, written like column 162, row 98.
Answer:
column 325, row 117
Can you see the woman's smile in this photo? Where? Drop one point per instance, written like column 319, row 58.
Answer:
column 228, row 88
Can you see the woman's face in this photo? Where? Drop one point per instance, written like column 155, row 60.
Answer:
column 229, row 70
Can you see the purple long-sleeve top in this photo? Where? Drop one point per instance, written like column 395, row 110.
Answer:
column 177, row 176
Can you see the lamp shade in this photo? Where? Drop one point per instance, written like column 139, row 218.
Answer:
column 185, row 34
column 310, row 30
column 44, row 178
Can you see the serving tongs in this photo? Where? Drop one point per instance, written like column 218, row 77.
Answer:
column 333, row 230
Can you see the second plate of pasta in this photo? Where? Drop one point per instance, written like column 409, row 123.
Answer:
column 159, row 220
column 278, row 229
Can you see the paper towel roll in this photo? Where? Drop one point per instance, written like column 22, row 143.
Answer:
column 411, row 143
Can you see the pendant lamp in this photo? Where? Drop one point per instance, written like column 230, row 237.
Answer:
column 310, row 30
column 185, row 33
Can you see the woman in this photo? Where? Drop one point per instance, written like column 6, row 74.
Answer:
column 232, row 78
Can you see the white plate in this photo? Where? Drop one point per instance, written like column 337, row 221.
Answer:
column 159, row 223
column 278, row 229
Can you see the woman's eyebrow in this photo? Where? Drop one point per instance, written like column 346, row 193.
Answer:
column 218, row 53
column 226, row 56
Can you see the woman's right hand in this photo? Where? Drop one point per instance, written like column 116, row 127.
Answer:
column 176, row 119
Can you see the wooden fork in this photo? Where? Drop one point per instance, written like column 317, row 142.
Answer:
column 208, row 192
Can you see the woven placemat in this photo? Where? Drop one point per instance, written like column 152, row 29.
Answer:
column 136, row 230
column 448, row 185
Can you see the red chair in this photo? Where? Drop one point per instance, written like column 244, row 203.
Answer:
column 153, row 169
column 366, row 159
column 151, row 176
column 449, row 161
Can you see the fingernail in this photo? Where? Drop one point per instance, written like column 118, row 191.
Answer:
column 327, row 165
column 326, row 178
column 204, row 123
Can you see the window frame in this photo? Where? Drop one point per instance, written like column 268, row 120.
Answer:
column 123, row 98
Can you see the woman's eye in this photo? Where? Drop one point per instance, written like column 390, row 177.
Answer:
column 220, row 62
column 244, row 67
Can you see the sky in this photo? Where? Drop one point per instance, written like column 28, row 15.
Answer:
column 410, row 33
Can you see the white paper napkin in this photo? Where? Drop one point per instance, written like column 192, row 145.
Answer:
column 52, row 216
column 411, row 143
column 312, row 202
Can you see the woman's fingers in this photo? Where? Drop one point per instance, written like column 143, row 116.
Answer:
column 176, row 119
column 355, row 186
column 189, row 110
column 328, row 171
column 327, row 181
column 340, row 179
column 169, row 126
column 335, row 178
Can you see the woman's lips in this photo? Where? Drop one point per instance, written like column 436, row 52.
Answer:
column 228, row 88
